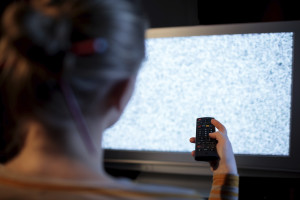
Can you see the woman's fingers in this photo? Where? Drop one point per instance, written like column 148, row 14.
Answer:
column 193, row 153
column 192, row 139
column 216, row 135
column 213, row 135
column 219, row 126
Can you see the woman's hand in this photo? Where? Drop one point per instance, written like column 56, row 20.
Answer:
column 226, row 164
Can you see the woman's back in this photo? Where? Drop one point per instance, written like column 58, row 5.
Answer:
column 16, row 186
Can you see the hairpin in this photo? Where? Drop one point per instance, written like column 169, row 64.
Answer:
column 90, row 46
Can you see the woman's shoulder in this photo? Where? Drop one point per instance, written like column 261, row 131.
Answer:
column 19, row 187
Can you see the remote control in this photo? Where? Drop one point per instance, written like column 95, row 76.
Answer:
column 205, row 149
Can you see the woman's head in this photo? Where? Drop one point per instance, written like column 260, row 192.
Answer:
column 37, row 50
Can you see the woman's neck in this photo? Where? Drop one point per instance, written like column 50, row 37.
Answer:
column 43, row 158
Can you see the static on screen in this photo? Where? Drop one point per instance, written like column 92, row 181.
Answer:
column 243, row 80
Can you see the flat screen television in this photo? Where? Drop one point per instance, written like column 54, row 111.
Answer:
column 245, row 75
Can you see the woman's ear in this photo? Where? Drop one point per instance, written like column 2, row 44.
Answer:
column 120, row 93
column 117, row 99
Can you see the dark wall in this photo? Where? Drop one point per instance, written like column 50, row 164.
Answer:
column 166, row 13
column 233, row 11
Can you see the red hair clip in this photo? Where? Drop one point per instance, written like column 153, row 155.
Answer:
column 88, row 47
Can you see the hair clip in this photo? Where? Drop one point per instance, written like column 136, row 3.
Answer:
column 88, row 47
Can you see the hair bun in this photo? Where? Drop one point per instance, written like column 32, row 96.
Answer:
column 41, row 38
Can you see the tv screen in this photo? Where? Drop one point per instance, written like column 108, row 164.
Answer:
column 241, row 74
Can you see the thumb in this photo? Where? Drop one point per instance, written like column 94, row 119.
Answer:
column 214, row 135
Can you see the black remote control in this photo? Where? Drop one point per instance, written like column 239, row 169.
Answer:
column 205, row 149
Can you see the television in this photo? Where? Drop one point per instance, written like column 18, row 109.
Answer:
column 245, row 75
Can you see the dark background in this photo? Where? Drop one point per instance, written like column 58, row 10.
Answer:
column 168, row 13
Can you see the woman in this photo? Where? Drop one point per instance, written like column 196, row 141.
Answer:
column 68, row 70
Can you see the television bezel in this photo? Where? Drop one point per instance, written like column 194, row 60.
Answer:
column 183, row 162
